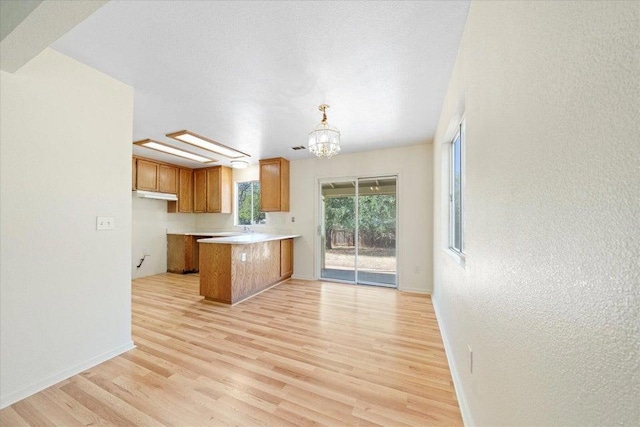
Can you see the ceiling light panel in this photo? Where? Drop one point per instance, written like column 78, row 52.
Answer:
column 168, row 149
column 206, row 144
column 239, row 164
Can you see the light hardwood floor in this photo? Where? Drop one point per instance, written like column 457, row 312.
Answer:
column 302, row 353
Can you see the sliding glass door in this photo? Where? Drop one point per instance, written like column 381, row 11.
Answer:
column 358, row 230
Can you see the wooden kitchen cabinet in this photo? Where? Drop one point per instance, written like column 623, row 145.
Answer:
column 185, row 193
column 230, row 273
column 149, row 175
column 182, row 253
column 146, row 175
column 200, row 190
column 274, row 185
column 286, row 258
column 212, row 190
column 219, row 190
column 168, row 179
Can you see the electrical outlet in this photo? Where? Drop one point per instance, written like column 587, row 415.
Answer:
column 293, row 219
column 145, row 252
column 470, row 359
column 105, row 223
column 243, row 257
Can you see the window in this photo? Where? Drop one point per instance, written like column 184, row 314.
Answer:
column 456, row 199
column 248, row 203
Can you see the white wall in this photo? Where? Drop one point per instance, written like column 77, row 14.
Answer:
column 549, row 295
column 65, row 293
column 415, row 189
column 150, row 222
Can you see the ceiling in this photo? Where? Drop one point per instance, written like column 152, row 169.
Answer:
column 251, row 75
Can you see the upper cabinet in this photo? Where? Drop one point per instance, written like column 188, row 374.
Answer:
column 168, row 179
column 201, row 190
column 219, row 190
column 274, row 185
column 146, row 175
column 185, row 193
column 212, row 190
column 154, row 176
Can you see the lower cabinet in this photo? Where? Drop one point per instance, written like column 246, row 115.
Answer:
column 286, row 258
column 182, row 253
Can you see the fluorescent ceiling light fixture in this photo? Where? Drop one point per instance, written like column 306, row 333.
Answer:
column 168, row 149
column 206, row 144
column 239, row 164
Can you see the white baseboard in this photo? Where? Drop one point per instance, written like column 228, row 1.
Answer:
column 465, row 411
column 415, row 290
column 296, row 277
column 13, row 397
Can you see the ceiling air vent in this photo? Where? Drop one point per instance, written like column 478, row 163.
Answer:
column 299, row 147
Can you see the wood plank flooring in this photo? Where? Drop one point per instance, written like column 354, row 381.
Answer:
column 301, row 353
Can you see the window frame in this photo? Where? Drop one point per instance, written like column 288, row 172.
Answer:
column 452, row 246
column 236, row 219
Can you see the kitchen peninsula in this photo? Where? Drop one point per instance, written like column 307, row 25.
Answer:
column 235, row 268
column 182, row 249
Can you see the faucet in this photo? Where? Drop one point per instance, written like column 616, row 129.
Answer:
column 246, row 229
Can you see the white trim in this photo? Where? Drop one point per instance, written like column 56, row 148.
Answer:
column 416, row 291
column 296, row 277
column 452, row 212
column 465, row 410
column 460, row 259
column 13, row 397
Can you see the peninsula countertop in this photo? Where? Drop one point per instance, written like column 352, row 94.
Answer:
column 205, row 233
column 248, row 238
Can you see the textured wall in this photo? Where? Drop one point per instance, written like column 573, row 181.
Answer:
column 549, row 295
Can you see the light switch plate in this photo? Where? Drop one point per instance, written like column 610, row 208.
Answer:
column 105, row 223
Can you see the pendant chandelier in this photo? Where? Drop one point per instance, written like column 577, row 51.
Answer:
column 324, row 140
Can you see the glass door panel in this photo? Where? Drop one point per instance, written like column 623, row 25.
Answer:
column 338, row 203
column 376, row 229
column 358, row 231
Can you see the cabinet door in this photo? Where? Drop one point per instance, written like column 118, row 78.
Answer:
column 269, row 186
column 226, row 190
column 199, row 191
column 185, row 191
column 146, row 175
column 213, row 190
column 168, row 179
column 179, row 254
column 274, row 185
column 286, row 258
column 219, row 195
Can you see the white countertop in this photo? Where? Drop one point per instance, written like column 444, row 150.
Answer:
column 248, row 238
column 208, row 233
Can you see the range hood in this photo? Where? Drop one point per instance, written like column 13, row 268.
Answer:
column 153, row 195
